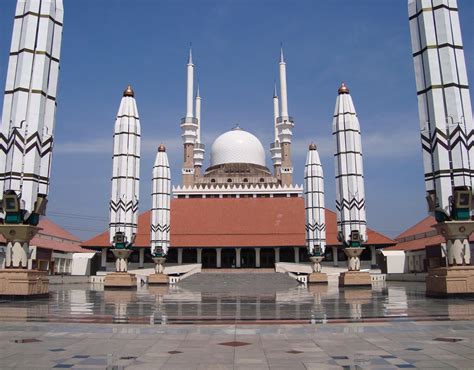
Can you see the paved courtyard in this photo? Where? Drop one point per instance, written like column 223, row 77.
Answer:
column 388, row 345
column 238, row 321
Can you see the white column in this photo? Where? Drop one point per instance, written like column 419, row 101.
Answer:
column 218, row 257
column 277, row 255
column 257, row 257
column 237, row 257
column 141, row 258
column 103, row 261
column 297, row 254
column 199, row 255
column 180, row 256
column 373, row 259
column 335, row 261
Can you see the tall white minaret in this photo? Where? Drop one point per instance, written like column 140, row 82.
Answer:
column 445, row 113
column 275, row 148
column 285, row 126
column 125, row 173
column 199, row 148
column 29, row 106
column 350, row 194
column 314, row 203
column 161, row 197
column 189, row 127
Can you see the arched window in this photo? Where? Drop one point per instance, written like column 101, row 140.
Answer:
column 229, row 180
column 246, row 180
column 262, row 179
column 213, row 180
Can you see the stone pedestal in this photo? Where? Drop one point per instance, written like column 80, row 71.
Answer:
column 16, row 280
column 448, row 281
column 155, row 279
column 120, row 280
column 458, row 278
column 317, row 278
column 23, row 283
column 355, row 278
column 158, row 277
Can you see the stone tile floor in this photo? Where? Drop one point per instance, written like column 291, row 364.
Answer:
column 387, row 345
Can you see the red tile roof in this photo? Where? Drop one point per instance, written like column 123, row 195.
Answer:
column 420, row 236
column 53, row 236
column 236, row 222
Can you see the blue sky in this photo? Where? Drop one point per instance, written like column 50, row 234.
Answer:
column 109, row 44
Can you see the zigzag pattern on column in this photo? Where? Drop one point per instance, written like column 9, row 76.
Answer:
column 161, row 228
column 121, row 205
column 314, row 227
column 353, row 203
column 33, row 141
column 456, row 137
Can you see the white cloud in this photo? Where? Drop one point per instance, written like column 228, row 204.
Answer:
column 377, row 144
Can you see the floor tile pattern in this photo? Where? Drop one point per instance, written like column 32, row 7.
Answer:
column 387, row 345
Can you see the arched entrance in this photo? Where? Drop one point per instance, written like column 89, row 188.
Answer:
column 247, row 257
column 267, row 258
column 228, row 258
column 287, row 255
column 209, row 258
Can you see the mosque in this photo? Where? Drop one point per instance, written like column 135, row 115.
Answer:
column 237, row 213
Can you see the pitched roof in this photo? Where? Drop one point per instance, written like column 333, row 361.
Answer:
column 236, row 222
column 52, row 236
column 420, row 236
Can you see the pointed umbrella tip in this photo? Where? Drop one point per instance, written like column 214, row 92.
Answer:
column 162, row 148
column 198, row 93
column 343, row 89
column 190, row 58
column 129, row 91
column 282, row 57
column 275, row 94
column 312, row 146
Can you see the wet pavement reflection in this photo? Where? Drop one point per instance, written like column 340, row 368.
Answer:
column 389, row 301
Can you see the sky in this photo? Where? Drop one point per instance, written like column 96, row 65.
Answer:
column 108, row 44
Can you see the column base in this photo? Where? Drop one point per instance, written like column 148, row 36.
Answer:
column 450, row 281
column 23, row 283
column 317, row 278
column 156, row 279
column 355, row 278
column 120, row 280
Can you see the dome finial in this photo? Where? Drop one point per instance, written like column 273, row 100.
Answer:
column 162, row 148
column 129, row 92
column 236, row 127
column 312, row 146
column 343, row 89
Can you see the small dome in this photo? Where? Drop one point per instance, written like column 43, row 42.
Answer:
column 237, row 146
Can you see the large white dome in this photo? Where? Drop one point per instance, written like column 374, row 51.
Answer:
column 237, row 146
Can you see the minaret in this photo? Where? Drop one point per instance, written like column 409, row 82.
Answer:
column 275, row 148
column 445, row 113
column 27, row 129
column 125, row 173
column 350, row 201
column 189, row 127
column 285, row 125
column 160, row 212
column 314, row 203
column 199, row 148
